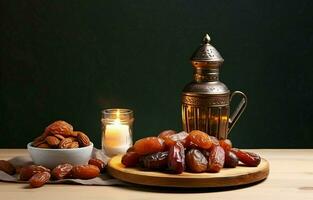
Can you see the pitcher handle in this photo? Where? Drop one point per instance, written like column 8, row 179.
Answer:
column 238, row 111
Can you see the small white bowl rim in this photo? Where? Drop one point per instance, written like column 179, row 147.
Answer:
column 29, row 146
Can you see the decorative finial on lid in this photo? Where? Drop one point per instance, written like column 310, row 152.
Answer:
column 206, row 52
column 206, row 39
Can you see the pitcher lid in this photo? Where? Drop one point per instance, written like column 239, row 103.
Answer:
column 206, row 52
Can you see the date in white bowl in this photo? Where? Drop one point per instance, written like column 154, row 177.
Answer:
column 52, row 157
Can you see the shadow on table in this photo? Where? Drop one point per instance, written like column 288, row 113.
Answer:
column 187, row 190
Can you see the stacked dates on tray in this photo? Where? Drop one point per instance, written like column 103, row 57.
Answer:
column 193, row 152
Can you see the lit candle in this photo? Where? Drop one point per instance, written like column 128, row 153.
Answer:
column 116, row 135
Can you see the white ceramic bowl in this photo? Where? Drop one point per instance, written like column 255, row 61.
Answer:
column 52, row 157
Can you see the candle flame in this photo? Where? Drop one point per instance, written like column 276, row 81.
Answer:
column 117, row 119
column 118, row 113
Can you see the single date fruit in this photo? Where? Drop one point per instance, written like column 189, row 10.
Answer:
column 97, row 162
column 149, row 145
column 43, row 146
column 52, row 141
column 60, row 137
column 75, row 133
column 83, row 139
column 39, row 140
column 7, row 167
column 214, row 140
column 28, row 171
column 167, row 133
column 130, row 159
column 60, row 127
column 156, row 161
column 200, row 139
column 65, row 143
column 216, row 159
column 39, row 179
column 196, row 161
column 62, row 171
column 248, row 158
column 85, row 171
column 226, row 144
column 176, row 158
column 74, row 145
column 231, row 160
column 178, row 137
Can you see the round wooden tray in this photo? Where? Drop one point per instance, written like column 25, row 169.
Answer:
column 226, row 177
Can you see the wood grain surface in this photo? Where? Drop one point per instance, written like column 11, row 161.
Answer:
column 291, row 177
column 226, row 177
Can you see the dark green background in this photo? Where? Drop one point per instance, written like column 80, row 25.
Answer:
column 71, row 59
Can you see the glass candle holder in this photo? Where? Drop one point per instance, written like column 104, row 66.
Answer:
column 117, row 126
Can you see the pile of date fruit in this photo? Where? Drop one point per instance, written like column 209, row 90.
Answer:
column 38, row 175
column 61, row 135
column 194, row 152
column 58, row 135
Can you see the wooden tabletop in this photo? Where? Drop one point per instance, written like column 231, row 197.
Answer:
column 291, row 177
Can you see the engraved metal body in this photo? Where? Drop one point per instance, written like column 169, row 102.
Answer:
column 206, row 100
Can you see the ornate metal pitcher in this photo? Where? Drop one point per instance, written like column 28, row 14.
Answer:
column 206, row 100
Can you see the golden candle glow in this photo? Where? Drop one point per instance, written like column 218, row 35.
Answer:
column 116, row 136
